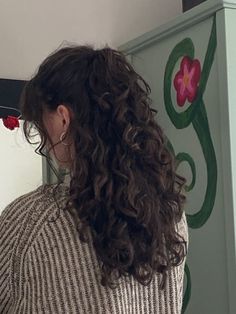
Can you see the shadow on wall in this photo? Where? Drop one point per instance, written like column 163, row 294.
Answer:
column 10, row 91
column 189, row 4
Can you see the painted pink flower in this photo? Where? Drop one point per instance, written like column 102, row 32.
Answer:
column 186, row 80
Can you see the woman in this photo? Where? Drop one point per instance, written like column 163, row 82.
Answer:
column 112, row 240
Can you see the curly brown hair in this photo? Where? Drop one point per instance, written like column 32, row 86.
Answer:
column 124, row 186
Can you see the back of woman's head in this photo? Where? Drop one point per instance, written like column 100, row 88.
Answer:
column 124, row 186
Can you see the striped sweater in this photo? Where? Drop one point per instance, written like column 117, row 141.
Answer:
column 45, row 268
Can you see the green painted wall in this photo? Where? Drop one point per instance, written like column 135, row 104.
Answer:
column 202, row 132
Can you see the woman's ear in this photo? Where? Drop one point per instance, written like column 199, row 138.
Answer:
column 64, row 115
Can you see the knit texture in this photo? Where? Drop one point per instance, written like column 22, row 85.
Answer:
column 45, row 268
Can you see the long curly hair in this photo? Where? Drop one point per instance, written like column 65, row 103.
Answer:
column 124, row 186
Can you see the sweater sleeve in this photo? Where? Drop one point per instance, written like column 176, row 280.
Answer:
column 183, row 231
column 5, row 255
column 10, row 222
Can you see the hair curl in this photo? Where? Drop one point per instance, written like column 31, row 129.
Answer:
column 124, row 186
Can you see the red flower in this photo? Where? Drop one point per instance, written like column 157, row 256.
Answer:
column 186, row 80
column 11, row 122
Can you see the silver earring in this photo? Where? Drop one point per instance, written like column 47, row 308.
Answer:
column 61, row 139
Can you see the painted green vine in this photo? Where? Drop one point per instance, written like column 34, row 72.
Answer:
column 190, row 83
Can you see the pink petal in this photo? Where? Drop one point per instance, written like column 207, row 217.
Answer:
column 185, row 64
column 178, row 80
column 192, row 96
column 181, row 99
column 197, row 67
column 182, row 90
column 182, row 94
column 195, row 73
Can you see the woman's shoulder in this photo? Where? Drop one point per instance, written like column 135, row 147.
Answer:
column 42, row 190
column 24, row 216
column 182, row 228
column 41, row 194
column 20, row 202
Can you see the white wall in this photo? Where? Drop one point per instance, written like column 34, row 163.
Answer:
column 21, row 169
column 30, row 30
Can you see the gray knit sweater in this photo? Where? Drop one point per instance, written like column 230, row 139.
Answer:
column 45, row 268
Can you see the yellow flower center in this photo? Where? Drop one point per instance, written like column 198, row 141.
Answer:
column 186, row 79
